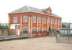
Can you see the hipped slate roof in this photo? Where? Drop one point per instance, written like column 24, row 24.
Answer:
column 28, row 9
column 32, row 9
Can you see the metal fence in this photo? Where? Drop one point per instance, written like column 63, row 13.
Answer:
column 64, row 35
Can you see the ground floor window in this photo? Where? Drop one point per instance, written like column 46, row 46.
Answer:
column 25, row 30
column 34, row 30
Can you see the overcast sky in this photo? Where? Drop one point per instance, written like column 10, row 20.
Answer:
column 62, row 8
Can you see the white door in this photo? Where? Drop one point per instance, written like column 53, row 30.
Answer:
column 17, row 30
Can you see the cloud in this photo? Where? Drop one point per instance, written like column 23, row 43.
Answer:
column 62, row 8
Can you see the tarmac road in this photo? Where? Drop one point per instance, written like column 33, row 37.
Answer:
column 42, row 43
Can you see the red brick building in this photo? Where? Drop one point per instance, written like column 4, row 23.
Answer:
column 35, row 22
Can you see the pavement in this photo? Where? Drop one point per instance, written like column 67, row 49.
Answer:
column 42, row 43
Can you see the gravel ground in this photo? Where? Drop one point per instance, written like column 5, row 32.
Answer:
column 43, row 43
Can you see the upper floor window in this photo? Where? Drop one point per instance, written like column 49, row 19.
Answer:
column 56, row 20
column 59, row 21
column 34, row 19
column 44, row 20
column 52, row 20
column 39, row 19
column 25, row 18
column 15, row 19
column 48, row 20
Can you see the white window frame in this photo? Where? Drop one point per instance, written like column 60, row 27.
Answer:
column 34, row 18
column 38, row 19
column 25, row 18
column 44, row 20
column 15, row 19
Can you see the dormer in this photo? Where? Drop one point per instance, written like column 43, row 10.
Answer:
column 48, row 10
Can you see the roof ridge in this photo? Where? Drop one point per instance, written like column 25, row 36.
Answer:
column 27, row 8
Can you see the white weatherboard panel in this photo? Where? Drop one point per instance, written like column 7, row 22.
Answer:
column 12, row 26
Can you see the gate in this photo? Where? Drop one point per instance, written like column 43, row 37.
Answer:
column 64, row 35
